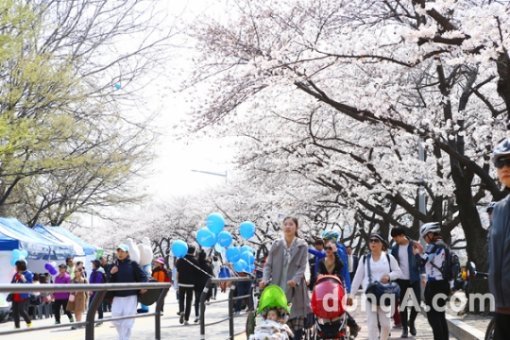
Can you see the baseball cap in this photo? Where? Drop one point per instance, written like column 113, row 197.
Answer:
column 123, row 247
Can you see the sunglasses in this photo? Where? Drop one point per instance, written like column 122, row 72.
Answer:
column 501, row 162
column 374, row 240
column 328, row 248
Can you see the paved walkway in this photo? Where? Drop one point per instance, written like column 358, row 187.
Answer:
column 144, row 327
column 171, row 329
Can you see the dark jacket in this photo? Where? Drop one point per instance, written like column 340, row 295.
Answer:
column 203, row 277
column 415, row 262
column 97, row 276
column 337, row 270
column 499, row 255
column 188, row 274
column 129, row 271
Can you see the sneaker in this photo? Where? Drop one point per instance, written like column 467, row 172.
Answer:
column 71, row 319
column 197, row 319
column 29, row 324
column 57, row 322
column 186, row 323
column 181, row 318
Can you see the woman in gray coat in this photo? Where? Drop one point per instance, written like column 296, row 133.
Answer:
column 285, row 266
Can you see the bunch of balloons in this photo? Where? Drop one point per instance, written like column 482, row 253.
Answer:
column 18, row 255
column 214, row 235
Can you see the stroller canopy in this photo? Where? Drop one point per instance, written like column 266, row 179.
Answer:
column 327, row 297
column 273, row 297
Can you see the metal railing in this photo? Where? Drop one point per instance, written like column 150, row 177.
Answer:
column 101, row 290
column 230, row 300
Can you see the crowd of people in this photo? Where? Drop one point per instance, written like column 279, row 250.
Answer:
column 74, row 303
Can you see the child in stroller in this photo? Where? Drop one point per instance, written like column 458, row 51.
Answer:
column 274, row 310
column 327, row 306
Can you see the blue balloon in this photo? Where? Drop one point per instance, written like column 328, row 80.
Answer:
column 224, row 272
column 206, row 238
column 233, row 254
column 224, row 238
column 23, row 253
column 117, row 85
column 240, row 266
column 247, row 229
column 179, row 248
column 15, row 255
column 247, row 248
column 248, row 257
column 215, row 222
column 250, row 269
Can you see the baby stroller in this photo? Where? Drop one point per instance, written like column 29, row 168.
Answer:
column 273, row 300
column 330, row 316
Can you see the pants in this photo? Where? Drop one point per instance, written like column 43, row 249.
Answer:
column 415, row 287
column 376, row 317
column 185, row 299
column 20, row 309
column 123, row 306
column 99, row 309
column 57, row 304
column 437, row 318
column 214, row 290
column 198, row 292
column 502, row 330
column 242, row 288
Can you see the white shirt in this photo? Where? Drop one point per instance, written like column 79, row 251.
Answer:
column 378, row 269
column 403, row 257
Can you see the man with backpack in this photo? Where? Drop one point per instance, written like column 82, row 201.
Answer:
column 437, row 274
column 410, row 265
column 125, row 301
column 499, row 239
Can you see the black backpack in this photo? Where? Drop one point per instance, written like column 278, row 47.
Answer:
column 451, row 266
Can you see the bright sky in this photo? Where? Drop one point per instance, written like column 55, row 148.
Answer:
column 171, row 173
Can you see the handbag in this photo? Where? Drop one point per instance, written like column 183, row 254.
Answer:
column 380, row 291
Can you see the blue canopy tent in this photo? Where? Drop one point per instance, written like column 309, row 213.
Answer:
column 40, row 249
column 84, row 251
column 56, row 231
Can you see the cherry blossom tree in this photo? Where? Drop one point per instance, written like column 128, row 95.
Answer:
column 344, row 92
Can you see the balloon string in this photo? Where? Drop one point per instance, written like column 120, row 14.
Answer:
column 197, row 267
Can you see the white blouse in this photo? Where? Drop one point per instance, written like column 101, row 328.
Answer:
column 378, row 268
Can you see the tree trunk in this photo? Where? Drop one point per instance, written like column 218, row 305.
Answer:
column 476, row 235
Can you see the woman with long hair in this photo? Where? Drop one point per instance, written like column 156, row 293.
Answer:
column 285, row 266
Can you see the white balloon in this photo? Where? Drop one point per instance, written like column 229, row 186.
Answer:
column 134, row 253
column 145, row 257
